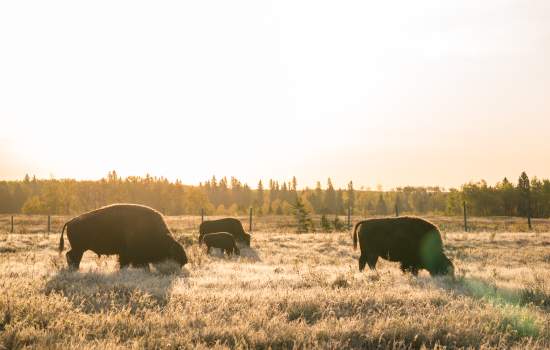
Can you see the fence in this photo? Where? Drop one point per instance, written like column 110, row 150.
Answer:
column 278, row 223
column 31, row 223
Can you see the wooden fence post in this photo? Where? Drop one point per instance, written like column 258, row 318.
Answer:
column 250, row 221
column 49, row 223
column 11, row 230
column 349, row 217
column 465, row 217
column 396, row 210
column 202, row 215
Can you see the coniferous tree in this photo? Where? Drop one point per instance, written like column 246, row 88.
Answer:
column 381, row 208
column 524, row 188
column 338, row 224
column 317, row 199
column 259, row 197
column 508, row 197
column 397, row 204
column 325, row 224
column 330, row 198
column 303, row 219
column 340, row 210
column 350, row 203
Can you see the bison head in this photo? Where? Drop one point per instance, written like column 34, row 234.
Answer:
column 444, row 267
column 178, row 253
column 246, row 237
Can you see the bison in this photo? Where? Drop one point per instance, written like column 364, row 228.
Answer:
column 414, row 242
column 223, row 240
column 136, row 233
column 229, row 225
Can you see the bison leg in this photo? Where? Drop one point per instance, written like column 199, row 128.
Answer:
column 362, row 262
column 409, row 268
column 372, row 260
column 73, row 258
column 141, row 265
column 123, row 261
column 367, row 259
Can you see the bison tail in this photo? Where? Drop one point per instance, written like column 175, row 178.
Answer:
column 61, row 241
column 355, row 234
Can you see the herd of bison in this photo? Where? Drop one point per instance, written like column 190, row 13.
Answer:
column 139, row 236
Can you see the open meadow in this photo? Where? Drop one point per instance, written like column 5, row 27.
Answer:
column 286, row 291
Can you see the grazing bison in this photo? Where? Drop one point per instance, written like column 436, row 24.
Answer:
column 223, row 240
column 136, row 233
column 230, row 225
column 414, row 242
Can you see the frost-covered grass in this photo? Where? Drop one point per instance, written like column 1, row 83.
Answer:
column 286, row 291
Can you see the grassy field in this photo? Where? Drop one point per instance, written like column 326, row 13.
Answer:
column 286, row 291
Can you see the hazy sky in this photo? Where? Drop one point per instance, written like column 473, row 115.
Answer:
column 380, row 92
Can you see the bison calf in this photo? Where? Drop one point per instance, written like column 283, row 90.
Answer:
column 223, row 240
column 414, row 242
column 136, row 233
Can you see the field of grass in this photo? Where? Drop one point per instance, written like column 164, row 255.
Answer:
column 286, row 291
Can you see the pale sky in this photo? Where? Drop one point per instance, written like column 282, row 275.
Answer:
column 378, row 92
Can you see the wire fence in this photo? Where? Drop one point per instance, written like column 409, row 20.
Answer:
column 189, row 224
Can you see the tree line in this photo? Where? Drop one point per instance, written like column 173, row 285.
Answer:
column 232, row 197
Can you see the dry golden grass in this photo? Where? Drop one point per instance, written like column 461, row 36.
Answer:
column 286, row 291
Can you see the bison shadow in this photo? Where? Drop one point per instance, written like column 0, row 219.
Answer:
column 250, row 253
column 481, row 289
column 130, row 289
column 246, row 253
column 511, row 301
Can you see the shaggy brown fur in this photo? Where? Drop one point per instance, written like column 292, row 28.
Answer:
column 414, row 242
column 230, row 225
column 223, row 240
column 136, row 233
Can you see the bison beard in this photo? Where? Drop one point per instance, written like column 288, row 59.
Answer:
column 136, row 233
column 414, row 242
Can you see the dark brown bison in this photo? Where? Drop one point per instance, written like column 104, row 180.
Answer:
column 136, row 233
column 414, row 242
column 230, row 225
column 223, row 240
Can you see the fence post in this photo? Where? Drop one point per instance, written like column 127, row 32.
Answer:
column 11, row 230
column 396, row 210
column 49, row 223
column 202, row 215
column 465, row 217
column 250, row 221
column 349, row 217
